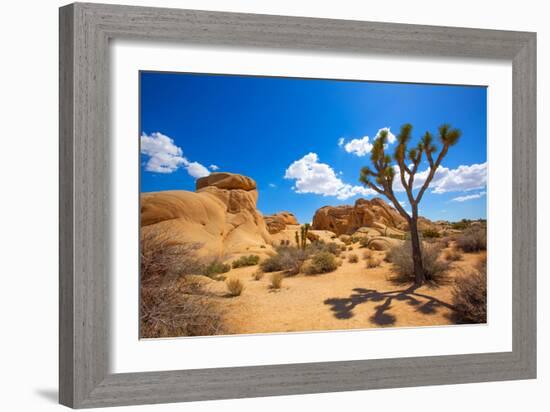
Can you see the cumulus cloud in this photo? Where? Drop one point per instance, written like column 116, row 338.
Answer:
column 462, row 179
column 195, row 169
column 311, row 176
column 273, row 185
column 363, row 146
column 469, row 197
column 214, row 167
column 166, row 157
column 359, row 147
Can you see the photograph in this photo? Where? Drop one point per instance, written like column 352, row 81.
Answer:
column 280, row 204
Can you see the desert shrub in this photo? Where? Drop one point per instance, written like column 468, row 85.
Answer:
column 430, row 234
column 445, row 241
column 472, row 240
column 356, row 239
column 258, row 275
column 276, row 281
column 215, row 267
column 364, row 241
column 234, row 286
column 452, row 255
column 161, row 260
column 470, row 296
column 461, row 225
column 372, row 262
column 171, row 302
column 350, row 247
column 320, row 246
column 322, row 262
column 353, row 258
column 289, row 259
column 178, row 308
column 367, row 254
column 346, row 239
column 334, row 248
column 396, row 236
column 249, row 260
column 434, row 267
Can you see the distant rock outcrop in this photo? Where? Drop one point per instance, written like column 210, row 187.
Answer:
column 376, row 214
column 221, row 215
column 279, row 221
column 347, row 219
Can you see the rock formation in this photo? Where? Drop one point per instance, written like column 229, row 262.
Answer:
column 347, row 219
column 221, row 215
column 279, row 221
column 376, row 214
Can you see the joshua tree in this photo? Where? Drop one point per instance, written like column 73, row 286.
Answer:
column 385, row 170
column 304, row 230
column 301, row 238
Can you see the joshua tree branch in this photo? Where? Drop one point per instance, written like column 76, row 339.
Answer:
column 432, row 173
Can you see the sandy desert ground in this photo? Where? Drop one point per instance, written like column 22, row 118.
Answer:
column 352, row 297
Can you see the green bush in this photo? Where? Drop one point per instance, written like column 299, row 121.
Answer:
column 364, row 241
column 461, row 225
column 430, row 234
column 289, row 259
column 249, row 260
column 215, row 268
column 322, row 262
column 320, row 246
column 346, row 239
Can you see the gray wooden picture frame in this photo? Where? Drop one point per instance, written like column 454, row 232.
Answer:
column 85, row 31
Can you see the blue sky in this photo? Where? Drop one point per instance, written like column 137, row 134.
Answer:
column 304, row 141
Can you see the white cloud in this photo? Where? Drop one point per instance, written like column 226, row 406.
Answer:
column 358, row 147
column 469, row 197
column 363, row 146
column 196, row 170
column 272, row 185
column 214, row 167
column 462, row 179
column 319, row 178
column 166, row 157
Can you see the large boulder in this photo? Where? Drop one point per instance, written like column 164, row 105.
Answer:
column 221, row 215
column 228, row 181
column 347, row 219
column 279, row 221
column 383, row 243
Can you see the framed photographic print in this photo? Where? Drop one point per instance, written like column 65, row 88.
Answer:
column 258, row 205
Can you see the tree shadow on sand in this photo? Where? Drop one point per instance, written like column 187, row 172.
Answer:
column 343, row 307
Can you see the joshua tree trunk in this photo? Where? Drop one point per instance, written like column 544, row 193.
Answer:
column 419, row 275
